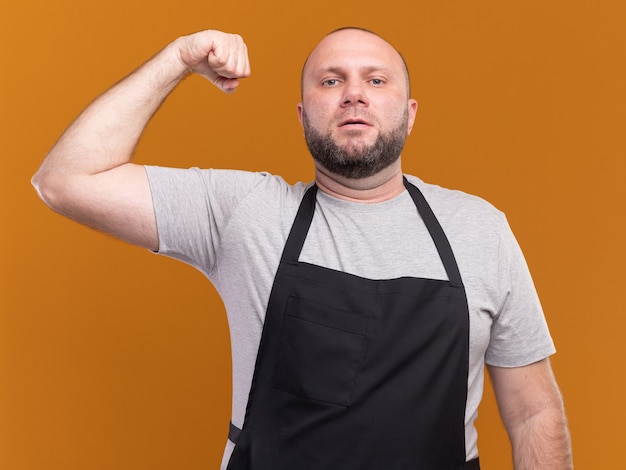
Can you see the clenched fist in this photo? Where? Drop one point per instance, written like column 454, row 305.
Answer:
column 221, row 58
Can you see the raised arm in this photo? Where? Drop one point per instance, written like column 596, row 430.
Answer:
column 531, row 408
column 88, row 175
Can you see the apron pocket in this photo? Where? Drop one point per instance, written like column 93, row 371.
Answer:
column 320, row 351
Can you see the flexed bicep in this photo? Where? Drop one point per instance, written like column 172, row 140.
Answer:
column 88, row 175
column 117, row 202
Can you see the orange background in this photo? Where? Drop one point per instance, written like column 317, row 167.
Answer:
column 113, row 358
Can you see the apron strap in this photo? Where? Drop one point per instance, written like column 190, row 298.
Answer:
column 300, row 228
column 233, row 433
column 302, row 222
column 436, row 232
column 472, row 465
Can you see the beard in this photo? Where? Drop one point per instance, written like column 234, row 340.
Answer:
column 355, row 161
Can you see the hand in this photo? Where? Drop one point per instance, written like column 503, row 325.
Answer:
column 221, row 58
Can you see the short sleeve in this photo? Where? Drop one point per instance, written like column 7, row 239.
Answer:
column 519, row 333
column 192, row 207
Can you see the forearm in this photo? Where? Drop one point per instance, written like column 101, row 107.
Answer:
column 542, row 442
column 532, row 410
column 104, row 136
column 87, row 175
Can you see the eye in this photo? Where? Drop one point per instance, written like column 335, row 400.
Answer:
column 377, row 81
column 330, row 82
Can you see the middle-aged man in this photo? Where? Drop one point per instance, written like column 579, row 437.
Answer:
column 363, row 306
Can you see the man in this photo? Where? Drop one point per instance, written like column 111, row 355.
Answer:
column 362, row 307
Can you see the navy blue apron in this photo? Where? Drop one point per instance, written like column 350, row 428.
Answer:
column 355, row 373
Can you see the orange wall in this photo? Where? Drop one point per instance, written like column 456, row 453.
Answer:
column 111, row 357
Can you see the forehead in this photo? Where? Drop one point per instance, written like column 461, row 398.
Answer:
column 352, row 48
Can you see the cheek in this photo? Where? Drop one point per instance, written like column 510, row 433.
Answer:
column 394, row 113
column 316, row 117
column 320, row 105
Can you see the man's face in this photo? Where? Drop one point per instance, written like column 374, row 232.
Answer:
column 355, row 109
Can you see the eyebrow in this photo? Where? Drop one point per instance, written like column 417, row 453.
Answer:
column 368, row 69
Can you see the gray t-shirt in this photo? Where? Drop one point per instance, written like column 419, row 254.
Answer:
column 232, row 226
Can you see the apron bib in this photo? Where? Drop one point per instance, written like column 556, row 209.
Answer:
column 358, row 374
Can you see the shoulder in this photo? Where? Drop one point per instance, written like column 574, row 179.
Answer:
column 478, row 232
column 464, row 208
column 222, row 183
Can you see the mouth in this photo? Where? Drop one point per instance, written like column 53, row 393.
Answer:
column 353, row 122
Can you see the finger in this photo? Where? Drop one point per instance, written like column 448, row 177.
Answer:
column 229, row 57
column 230, row 85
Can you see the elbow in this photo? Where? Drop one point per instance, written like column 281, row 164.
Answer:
column 49, row 188
column 39, row 183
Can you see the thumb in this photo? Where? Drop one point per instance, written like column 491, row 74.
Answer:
column 227, row 85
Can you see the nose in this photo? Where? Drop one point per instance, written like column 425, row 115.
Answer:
column 354, row 94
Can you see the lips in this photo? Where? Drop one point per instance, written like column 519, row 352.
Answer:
column 353, row 121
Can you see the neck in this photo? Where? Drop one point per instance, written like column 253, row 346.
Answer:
column 380, row 187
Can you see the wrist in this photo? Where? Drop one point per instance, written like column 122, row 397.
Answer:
column 172, row 61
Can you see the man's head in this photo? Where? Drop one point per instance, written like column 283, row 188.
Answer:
column 355, row 110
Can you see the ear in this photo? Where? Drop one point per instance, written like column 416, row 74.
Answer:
column 412, row 110
column 300, row 109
